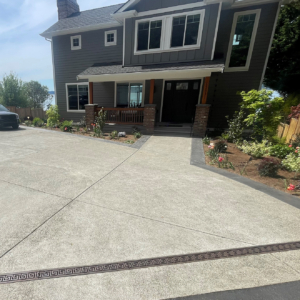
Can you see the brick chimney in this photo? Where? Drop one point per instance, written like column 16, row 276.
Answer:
column 67, row 8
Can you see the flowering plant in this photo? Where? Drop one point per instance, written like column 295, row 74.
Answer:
column 291, row 187
column 256, row 149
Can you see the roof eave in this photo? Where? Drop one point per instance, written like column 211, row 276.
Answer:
column 119, row 17
column 79, row 29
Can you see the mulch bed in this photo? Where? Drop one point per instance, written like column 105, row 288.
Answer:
column 129, row 139
column 239, row 158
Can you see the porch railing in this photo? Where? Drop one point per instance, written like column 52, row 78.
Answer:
column 134, row 116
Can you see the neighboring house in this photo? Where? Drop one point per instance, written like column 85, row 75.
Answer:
column 173, row 54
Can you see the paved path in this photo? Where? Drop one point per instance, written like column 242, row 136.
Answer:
column 69, row 201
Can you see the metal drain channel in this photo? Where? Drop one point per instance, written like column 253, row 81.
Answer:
column 146, row 263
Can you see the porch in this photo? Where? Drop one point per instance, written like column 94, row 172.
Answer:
column 158, row 99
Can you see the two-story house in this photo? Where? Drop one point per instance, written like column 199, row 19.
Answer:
column 186, row 59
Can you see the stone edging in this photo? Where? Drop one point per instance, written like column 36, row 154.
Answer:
column 198, row 160
column 137, row 145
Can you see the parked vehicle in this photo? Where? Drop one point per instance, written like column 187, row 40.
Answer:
column 8, row 119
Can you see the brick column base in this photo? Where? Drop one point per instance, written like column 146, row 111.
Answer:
column 90, row 110
column 149, row 117
column 201, row 119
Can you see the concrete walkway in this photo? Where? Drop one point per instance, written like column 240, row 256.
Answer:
column 70, row 201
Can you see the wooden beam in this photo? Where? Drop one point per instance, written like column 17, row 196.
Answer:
column 151, row 96
column 205, row 90
column 91, row 92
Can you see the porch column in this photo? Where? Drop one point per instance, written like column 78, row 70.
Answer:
column 91, row 92
column 90, row 110
column 151, row 96
column 201, row 119
column 205, row 90
column 149, row 118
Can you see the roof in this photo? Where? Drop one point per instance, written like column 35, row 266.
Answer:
column 88, row 18
column 117, row 68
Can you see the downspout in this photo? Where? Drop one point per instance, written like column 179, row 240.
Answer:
column 53, row 66
column 270, row 46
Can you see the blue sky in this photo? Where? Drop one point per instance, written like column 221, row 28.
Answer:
column 22, row 50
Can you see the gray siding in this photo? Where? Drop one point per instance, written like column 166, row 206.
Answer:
column 224, row 87
column 203, row 53
column 68, row 63
column 104, row 94
column 146, row 5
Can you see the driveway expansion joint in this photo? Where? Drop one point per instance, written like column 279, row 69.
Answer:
column 147, row 263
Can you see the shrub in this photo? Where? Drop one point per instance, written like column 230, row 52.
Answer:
column 236, row 127
column 66, row 126
column 281, row 151
column 295, row 112
column 114, row 134
column 37, row 122
column 278, row 141
column 100, row 120
column 28, row 123
column 137, row 135
column 255, row 149
column 53, row 116
column 292, row 162
column 206, row 140
column 224, row 163
column 213, row 155
column 269, row 167
column 221, row 147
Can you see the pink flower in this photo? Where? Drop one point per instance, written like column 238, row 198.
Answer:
column 297, row 148
column 209, row 147
column 296, row 151
column 221, row 159
column 290, row 146
column 291, row 187
column 66, row 128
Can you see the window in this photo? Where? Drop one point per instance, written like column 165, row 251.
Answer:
column 182, row 86
column 76, row 42
column 77, row 96
column 169, row 33
column 185, row 30
column 129, row 94
column 149, row 35
column 111, row 38
column 242, row 40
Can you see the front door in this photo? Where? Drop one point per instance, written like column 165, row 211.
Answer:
column 180, row 100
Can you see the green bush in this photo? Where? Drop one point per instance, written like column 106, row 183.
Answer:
column 255, row 149
column 296, row 142
column 37, row 122
column 66, row 126
column 53, row 116
column 236, row 127
column 28, row 123
column 292, row 162
column 114, row 134
column 206, row 140
column 137, row 135
column 100, row 120
column 281, row 151
column 269, row 167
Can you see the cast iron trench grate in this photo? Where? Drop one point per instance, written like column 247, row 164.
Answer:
column 146, row 263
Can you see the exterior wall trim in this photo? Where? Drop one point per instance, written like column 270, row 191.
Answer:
column 54, row 75
column 216, row 32
column 253, row 39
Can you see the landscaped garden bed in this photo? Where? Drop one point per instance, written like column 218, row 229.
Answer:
column 95, row 130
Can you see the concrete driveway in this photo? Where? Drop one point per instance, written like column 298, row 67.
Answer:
column 70, row 201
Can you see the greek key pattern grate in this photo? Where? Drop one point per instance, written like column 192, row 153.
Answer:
column 145, row 263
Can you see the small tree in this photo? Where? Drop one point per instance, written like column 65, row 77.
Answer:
column 100, row 120
column 37, row 94
column 264, row 112
column 12, row 91
column 53, row 116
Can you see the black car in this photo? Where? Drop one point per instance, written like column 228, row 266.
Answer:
column 8, row 118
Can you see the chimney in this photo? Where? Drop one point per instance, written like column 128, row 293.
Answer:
column 67, row 8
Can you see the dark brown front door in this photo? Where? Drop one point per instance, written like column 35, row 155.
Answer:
column 180, row 100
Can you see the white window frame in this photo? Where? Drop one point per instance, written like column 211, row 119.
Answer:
column 73, row 38
column 143, row 82
column 166, row 35
column 67, row 97
column 114, row 43
column 252, row 42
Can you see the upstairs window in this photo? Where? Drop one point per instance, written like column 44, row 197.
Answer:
column 77, row 96
column 111, row 38
column 242, row 40
column 169, row 33
column 76, row 42
column 185, row 31
column 149, row 35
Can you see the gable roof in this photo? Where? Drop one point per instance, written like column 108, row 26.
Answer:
column 126, row 5
column 86, row 19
